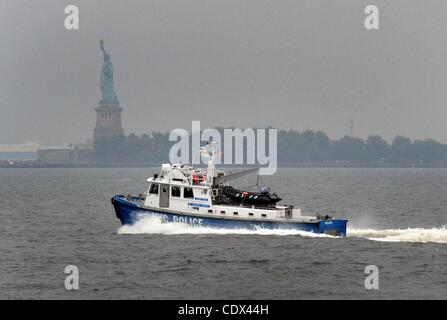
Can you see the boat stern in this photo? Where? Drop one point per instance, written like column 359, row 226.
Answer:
column 334, row 227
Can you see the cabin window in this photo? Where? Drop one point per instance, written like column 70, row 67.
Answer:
column 187, row 193
column 263, row 215
column 210, row 211
column 223, row 212
column 250, row 214
column 235, row 213
column 175, row 191
column 154, row 188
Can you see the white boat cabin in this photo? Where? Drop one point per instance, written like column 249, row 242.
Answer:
column 183, row 189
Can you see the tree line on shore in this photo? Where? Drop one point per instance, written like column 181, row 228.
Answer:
column 294, row 147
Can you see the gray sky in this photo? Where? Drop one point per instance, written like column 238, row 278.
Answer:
column 290, row 64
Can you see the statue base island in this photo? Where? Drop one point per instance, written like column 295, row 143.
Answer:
column 108, row 124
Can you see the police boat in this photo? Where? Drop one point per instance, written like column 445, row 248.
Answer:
column 203, row 197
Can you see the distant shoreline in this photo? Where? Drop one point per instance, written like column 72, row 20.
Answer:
column 33, row 164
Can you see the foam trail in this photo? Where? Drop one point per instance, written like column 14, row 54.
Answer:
column 438, row 235
column 153, row 225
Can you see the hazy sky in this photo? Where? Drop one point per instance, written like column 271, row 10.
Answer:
column 290, row 64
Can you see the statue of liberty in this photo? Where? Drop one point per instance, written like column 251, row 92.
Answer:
column 108, row 94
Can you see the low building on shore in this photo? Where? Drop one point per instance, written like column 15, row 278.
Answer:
column 72, row 155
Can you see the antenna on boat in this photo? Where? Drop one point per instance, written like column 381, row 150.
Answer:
column 211, row 167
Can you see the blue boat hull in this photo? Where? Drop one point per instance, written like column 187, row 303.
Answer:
column 129, row 212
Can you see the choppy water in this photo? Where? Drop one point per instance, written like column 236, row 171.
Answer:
column 55, row 217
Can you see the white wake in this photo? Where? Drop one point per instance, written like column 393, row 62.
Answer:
column 438, row 235
column 154, row 225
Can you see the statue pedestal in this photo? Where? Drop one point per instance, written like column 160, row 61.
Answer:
column 108, row 121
